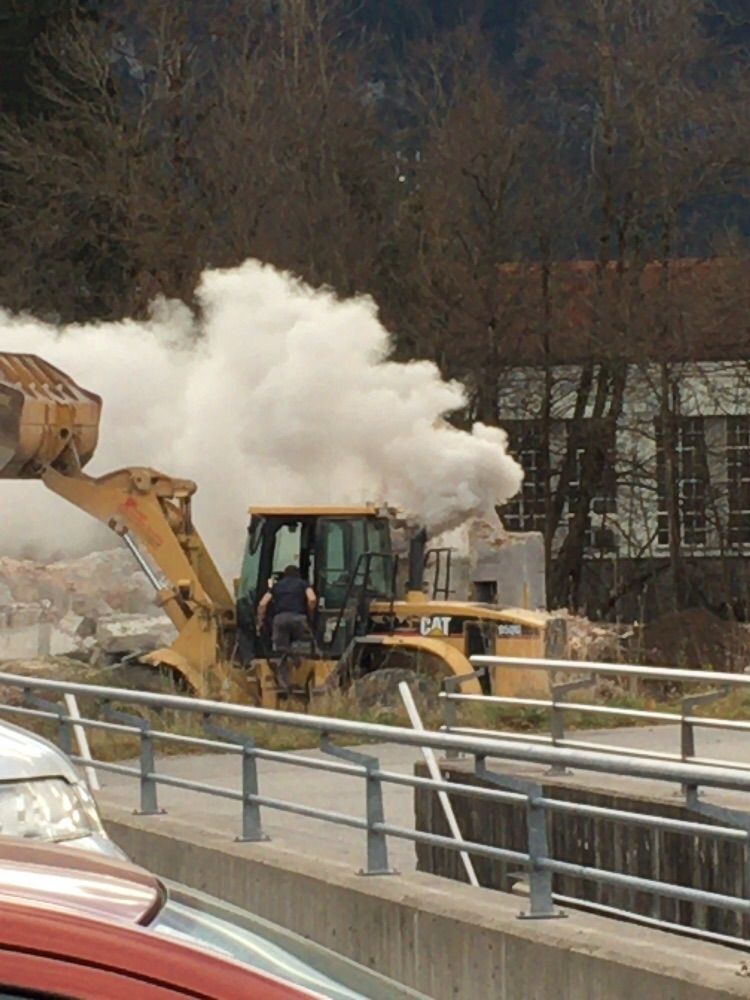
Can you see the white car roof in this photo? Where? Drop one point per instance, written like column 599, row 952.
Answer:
column 23, row 755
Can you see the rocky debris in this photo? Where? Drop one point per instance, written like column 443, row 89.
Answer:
column 99, row 583
column 34, row 629
column 606, row 642
column 695, row 639
column 98, row 607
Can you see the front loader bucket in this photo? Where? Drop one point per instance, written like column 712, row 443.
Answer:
column 45, row 418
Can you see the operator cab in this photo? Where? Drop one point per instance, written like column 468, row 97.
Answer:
column 343, row 552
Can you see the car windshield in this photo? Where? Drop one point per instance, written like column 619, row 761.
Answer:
column 48, row 809
column 187, row 924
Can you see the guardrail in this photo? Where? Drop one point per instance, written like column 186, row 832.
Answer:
column 102, row 708
column 588, row 674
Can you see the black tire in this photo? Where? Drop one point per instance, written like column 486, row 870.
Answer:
column 379, row 689
column 142, row 677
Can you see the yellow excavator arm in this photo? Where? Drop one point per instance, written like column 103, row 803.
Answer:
column 48, row 431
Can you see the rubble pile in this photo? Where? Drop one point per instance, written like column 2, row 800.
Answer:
column 102, row 582
column 605, row 642
column 93, row 608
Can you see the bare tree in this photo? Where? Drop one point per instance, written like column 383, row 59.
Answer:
column 299, row 106
column 627, row 81
column 461, row 215
column 164, row 149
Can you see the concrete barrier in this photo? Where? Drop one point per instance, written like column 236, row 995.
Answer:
column 448, row 940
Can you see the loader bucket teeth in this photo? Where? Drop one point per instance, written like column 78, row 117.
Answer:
column 46, row 419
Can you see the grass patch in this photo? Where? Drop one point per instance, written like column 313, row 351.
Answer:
column 111, row 745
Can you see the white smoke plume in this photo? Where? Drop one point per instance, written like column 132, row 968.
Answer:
column 278, row 394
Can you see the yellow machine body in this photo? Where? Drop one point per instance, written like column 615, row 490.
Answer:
column 513, row 631
column 45, row 418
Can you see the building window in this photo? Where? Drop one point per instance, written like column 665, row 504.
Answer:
column 527, row 510
column 691, row 481
column 738, row 478
column 591, row 445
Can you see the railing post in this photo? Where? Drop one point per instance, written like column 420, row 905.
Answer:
column 252, row 829
column 64, row 726
column 147, row 761
column 557, row 715
column 452, row 687
column 149, row 800
column 687, row 730
column 557, row 732
column 541, row 905
column 377, row 843
column 731, row 818
column 540, row 880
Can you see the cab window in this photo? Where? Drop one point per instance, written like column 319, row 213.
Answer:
column 286, row 550
column 251, row 562
column 343, row 542
column 335, row 550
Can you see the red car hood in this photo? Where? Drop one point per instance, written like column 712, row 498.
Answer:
column 69, row 880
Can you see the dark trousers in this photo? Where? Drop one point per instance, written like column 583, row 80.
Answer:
column 288, row 627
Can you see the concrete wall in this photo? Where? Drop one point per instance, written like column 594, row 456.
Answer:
column 445, row 939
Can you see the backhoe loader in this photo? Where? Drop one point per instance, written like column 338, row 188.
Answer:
column 368, row 617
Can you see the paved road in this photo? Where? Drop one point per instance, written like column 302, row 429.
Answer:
column 346, row 794
column 301, row 785
column 709, row 743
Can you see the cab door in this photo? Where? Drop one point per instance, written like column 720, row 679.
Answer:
column 273, row 543
column 336, row 564
column 354, row 566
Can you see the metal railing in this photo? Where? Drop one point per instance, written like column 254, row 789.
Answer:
column 586, row 675
column 104, row 708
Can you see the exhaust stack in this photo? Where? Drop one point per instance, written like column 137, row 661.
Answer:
column 415, row 583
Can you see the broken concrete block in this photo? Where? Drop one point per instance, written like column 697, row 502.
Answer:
column 122, row 634
column 70, row 623
column 24, row 615
column 60, row 643
column 490, row 565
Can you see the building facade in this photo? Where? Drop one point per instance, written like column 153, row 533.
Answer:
column 670, row 483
